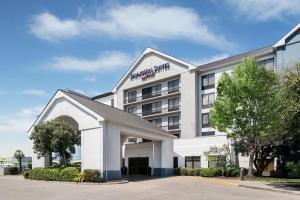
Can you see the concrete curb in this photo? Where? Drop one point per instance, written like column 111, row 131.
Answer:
column 82, row 183
column 269, row 189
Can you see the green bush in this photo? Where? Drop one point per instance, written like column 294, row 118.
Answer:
column 13, row 170
column 47, row 174
column 177, row 172
column 79, row 177
column 68, row 174
column 210, row 172
column 187, row 171
column 26, row 174
column 232, row 171
column 293, row 169
column 91, row 175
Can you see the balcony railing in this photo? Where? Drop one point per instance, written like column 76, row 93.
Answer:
column 172, row 127
column 159, row 111
column 152, row 95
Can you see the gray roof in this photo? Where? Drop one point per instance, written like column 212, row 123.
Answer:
column 113, row 114
column 237, row 58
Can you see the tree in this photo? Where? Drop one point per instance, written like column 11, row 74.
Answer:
column 19, row 155
column 55, row 136
column 249, row 108
column 221, row 155
column 42, row 137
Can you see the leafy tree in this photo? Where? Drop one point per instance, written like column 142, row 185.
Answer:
column 55, row 136
column 221, row 155
column 249, row 109
column 19, row 155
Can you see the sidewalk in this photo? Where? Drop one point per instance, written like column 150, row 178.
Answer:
column 268, row 186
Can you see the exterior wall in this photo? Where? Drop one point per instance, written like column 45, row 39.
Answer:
column 106, row 100
column 288, row 54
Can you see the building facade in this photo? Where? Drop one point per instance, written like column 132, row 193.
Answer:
column 177, row 96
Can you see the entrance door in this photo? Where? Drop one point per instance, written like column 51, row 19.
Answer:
column 138, row 166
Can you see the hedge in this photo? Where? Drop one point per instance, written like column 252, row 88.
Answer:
column 232, row 171
column 293, row 169
column 66, row 174
column 13, row 170
column 206, row 172
column 211, row 172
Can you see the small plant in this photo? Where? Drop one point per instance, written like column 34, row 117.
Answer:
column 26, row 174
column 232, row 171
column 79, row 178
column 211, row 172
column 68, row 174
column 293, row 169
column 91, row 175
column 13, row 170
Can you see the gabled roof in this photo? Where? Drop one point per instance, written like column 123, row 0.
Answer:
column 282, row 41
column 110, row 113
column 146, row 52
column 237, row 58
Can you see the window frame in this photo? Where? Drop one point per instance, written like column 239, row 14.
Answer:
column 208, row 120
column 208, row 78
column 209, row 104
column 173, row 86
column 131, row 97
column 192, row 159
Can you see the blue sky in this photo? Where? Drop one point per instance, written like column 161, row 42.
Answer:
column 87, row 46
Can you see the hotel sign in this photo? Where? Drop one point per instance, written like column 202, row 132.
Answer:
column 150, row 72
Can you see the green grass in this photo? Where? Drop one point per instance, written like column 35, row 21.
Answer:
column 273, row 180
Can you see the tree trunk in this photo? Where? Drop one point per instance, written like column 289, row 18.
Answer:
column 20, row 164
column 50, row 158
column 251, row 158
column 64, row 160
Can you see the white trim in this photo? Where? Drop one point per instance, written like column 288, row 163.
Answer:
column 282, row 41
column 146, row 52
column 58, row 95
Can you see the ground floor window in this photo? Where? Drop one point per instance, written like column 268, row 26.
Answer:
column 193, row 162
column 208, row 133
column 214, row 160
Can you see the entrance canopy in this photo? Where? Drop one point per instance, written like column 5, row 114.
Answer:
column 103, row 132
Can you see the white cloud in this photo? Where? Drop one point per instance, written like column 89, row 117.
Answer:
column 91, row 79
column 19, row 122
column 34, row 92
column 206, row 60
column 108, row 61
column 264, row 10
column 131, row 21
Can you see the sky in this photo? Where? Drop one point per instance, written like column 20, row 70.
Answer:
column 87, row 46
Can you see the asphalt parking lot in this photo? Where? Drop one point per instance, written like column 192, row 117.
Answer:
column 12, row 188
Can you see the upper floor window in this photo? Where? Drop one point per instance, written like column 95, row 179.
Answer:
column 208, row 81
column 205, row 120
column 173, row 86
column 131, row 96
column 173, row 122
column 173, row 104
column 151, row 91
column 156, row 122
column 132, row 110
column 151, row 108
column 208, row 100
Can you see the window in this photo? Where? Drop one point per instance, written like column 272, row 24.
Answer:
column 173, row 86
column 151, row 91
column 131, row 96
column 112, row 103
column 173, row 104
column 175, row 162
column 173, row 122
column 156, row 122
column 214, row 160
column 269, row 63
column 132, row 140
column 208, row 81
column 205, row 120
column 208, row 133
column 151, row 108
column 132, row 110
column 208, row 100
column 193, row 162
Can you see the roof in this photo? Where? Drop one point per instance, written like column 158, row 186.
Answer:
column 113, row 114
column 102, row 95
column 282, row 41
column 148, row 51
column 237, row 58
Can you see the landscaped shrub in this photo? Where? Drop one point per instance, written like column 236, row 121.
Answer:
column 211, row 172
column 177, row 171
column 91, row 175
column 187, row 171
column 232, row 171
column 68, row 174
column 47, row 174
column 79, row 177
column 293, row 169
column 197, row 171
column 13, row 170
column 26, row 174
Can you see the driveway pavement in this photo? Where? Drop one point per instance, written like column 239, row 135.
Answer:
column 12, row 188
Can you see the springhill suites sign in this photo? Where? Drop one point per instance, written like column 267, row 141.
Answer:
column 150, row 72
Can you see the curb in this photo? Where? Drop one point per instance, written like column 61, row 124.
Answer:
column 82, row 183
column 269, row 189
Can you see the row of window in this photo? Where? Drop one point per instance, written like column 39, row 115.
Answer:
column 195, row 161
column 173, row 122
column 156, row 107
column 153, row 91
